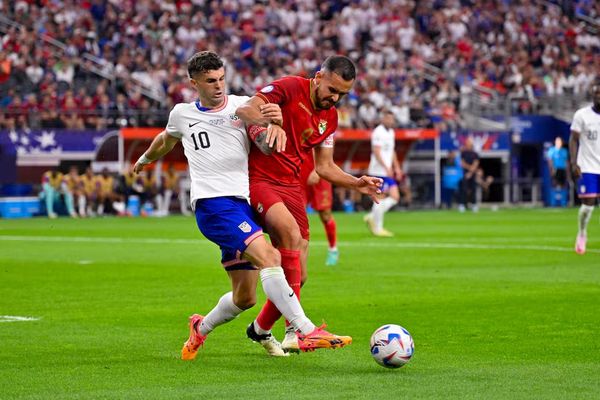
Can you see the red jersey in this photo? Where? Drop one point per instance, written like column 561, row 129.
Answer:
column 305, row 127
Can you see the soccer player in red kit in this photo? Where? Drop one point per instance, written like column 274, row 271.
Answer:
column 276, row 193
column 319, row 195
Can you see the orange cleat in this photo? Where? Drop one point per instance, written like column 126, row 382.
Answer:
column 191, row 346
column 321, row 339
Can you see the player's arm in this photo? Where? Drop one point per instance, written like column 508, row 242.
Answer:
column 573, row 147
column 161, row 145
column 396, row 167
column 264, row 122
column 256, row 111
column 328, row 170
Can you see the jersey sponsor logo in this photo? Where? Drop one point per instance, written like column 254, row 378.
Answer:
column 245, row 227
column 259, row 207
column 194, row 123
column 322, row 126
column 267, row 89
column 307, row 133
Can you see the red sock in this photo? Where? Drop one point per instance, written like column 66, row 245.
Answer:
column 290, row 262
column 331, row 231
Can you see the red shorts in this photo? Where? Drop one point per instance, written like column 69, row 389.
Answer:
column 320, row 195
column 264, row 194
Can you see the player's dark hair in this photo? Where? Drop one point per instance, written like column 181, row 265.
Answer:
column 203, row 61
column 340, row 65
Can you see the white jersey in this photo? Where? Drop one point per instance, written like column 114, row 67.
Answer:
column 385, row 139
column 587, row 122
column 216, row 146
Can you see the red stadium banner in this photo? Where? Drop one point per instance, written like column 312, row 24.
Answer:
column 401, row 134
column 340, row 135
column 140, row 133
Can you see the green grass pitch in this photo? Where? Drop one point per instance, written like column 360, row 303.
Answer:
column 498, row 304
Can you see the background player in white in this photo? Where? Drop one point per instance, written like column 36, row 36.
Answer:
column 384, row 164
column 584, row 151
column 216, row 146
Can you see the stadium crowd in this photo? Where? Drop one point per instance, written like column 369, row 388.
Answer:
column 416, row 57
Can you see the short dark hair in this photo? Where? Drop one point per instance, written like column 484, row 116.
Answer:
column 203, row 61
column 340, row 65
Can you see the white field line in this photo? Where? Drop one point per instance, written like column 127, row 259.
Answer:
column 16, row 318
column 383, row 243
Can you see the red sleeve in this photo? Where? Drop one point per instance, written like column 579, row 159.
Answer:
column 278, row 91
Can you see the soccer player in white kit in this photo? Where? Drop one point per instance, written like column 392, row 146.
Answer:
column 584, row 151
column 216, row 146
column 384, row 164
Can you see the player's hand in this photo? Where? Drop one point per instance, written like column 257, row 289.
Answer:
column 272, row 112
column 576, row 171
column 370, row 186
column 313, row 178
column 138, row 167
column 276, row 137
column 398, row 174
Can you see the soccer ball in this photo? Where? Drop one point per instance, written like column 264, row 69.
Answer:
column 392, row 346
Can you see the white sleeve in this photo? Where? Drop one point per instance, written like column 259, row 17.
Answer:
column 329, row 141
column 377, row 137
column 172, row 128
column 577, row 124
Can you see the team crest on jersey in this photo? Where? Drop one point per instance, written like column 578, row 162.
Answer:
column 236, row 121
column 322, row 127
column 267, row 89
column 245, row 227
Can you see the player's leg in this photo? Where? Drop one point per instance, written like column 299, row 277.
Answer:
column 588, row 190
column 167, row 201
column 69, row 203
column 49, row 196
column 322, row 201
column 379, row 210
column 81, row 204
column 284, row 229
column 283, row 297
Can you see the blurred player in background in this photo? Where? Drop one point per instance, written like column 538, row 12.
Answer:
column 53, row 186
column 75, row 187
column 91, row 190
column 319, row 195
column 384, row 164
column 216, row 146
column 468, row 184
column 107, row 194
column 309, row 121
column 170, row 187
column 150, row 191
column 584, row 151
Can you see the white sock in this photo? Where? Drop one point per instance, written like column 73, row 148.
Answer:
column 278, row 291
column 585, row 214
column 167, row 201
column 81, row 204
column 224, row 311
column 260, row 330
column 380, row 209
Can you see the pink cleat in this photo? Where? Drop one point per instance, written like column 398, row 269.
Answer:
column 580, row 244
column 191, row 346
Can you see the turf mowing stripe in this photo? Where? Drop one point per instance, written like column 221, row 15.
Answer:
column 16, row 318
column 383, row 243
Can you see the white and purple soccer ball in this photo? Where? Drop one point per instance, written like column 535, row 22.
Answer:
column 392, row 346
